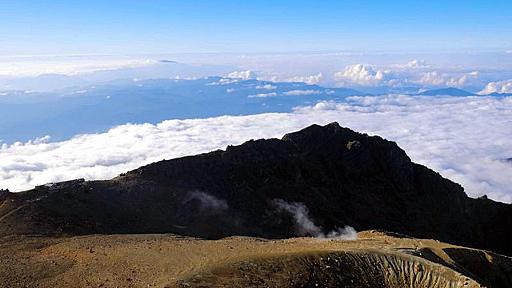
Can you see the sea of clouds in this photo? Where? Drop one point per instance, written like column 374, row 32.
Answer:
column 466, row 139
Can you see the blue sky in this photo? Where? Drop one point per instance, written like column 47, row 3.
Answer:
column 145, row 27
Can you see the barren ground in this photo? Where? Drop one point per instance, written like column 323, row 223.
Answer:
column 164, row 260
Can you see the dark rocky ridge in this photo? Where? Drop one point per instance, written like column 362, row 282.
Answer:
column 341, row 176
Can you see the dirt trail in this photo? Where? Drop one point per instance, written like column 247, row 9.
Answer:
column 12, row 212
column 173, row 261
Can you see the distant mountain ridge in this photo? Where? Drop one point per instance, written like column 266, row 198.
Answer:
column 329, row 175
column 499, row 94
column 86, row 109
column 94, row 109
column 450, row 91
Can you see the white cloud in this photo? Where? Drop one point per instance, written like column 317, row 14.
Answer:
column 413, row 72
column 413, row 64
column 498, row 87
column 67, row 65
column 263, row 95
column 442, row 79
column 287, row 93
column 178, row 77
column 224, row 81
column 417, row 64
column 301, row 92
column 432, row 78
column 463, row 138
column 362, row 74
column 266, row 87
column 311, row 79
column 244, row 75
column 462, row 80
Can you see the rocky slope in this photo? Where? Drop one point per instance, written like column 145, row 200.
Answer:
column 310, row 182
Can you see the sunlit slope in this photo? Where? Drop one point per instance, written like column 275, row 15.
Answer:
column 374, row 260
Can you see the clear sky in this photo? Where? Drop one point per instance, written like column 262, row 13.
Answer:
column 59, row 27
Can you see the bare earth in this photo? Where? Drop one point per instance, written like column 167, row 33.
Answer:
column 374, row 260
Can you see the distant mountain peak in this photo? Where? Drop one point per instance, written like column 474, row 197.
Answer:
column 167, row 61
column 450, row 91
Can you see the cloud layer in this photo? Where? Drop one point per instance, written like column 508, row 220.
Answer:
column 498, row 87
column 463, row 138
column 362, row 74
column 435, row 78
column 415, row 72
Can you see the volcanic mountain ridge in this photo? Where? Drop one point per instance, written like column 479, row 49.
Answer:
column 311, row 182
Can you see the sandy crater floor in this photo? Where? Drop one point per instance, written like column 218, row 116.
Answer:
column 374, row 260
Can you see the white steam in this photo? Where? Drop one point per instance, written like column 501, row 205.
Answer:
column 305, row 225
column 345, row 233
column 300, row 213
column 208, row 202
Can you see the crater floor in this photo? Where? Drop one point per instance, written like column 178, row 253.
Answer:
column 375, row 259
